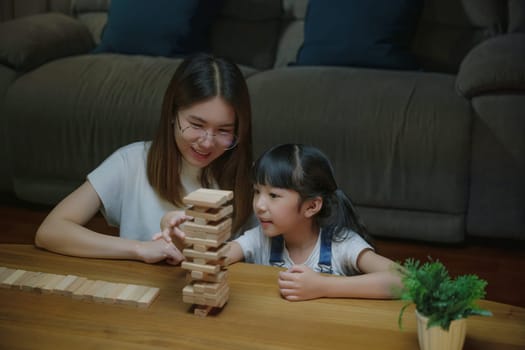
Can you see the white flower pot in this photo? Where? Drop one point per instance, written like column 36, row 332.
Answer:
column 436, row 338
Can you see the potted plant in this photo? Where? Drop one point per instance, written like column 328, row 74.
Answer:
column 442, row 303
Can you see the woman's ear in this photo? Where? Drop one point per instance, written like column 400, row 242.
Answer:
column 313, row 206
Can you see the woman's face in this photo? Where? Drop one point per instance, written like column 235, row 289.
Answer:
column 202, row 131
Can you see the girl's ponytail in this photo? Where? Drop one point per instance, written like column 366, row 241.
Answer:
column 345, row 216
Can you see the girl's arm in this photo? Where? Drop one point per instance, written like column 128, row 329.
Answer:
column 378, row 281
column 234, row 253
column 63, row 231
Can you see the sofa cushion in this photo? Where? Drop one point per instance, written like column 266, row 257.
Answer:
column 360, row 33
column 495, row 65
column 28, row 42
column 160, row 28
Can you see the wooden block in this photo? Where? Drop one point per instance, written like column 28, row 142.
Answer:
column 216, row 236
column 11, row 277
column 89, row 292
column 114, row 292
column 208, row 197
column 211, row 227
column 99, row 293
column 67, row 281
column 210, row 269
column 210, row 214
column 148, row 297
column 30, row 284
column 131, row 294
column 200, row 276
column 42, row 281
column 81, row 291
column 200, row 247
column 26, row 278
column 200, row 261
column 75, row 285
column 209, row 255
column 202, row 310
column 52, row 281
column 200, row 221
column 214, row 243
column 197, row 275
column 216, row 300
column 3, row 271
column 18, row 282
column 198, row 288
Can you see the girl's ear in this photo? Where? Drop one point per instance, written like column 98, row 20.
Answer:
column 313, row 206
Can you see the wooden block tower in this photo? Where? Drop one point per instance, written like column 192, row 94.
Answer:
column 206, row 249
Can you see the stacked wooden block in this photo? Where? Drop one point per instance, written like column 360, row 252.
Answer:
column 206, row 249
column 78, row 287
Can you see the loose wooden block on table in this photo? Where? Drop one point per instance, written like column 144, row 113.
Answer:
column 10, row 277
column 78, row 287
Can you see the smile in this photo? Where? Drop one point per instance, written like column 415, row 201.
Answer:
column 200, row 152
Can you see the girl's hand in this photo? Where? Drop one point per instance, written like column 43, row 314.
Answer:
column 300, row 283
column 169, row 226
column 158, row 250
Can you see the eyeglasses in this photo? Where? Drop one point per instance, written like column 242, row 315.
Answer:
column 194, row 133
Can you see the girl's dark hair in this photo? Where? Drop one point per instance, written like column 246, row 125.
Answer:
column 307, row 171
column 199, row 78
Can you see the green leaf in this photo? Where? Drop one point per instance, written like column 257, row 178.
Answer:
column 438, row 296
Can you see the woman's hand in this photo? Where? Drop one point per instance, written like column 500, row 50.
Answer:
column 158, row 250
column 169, row 228
column 300, row 283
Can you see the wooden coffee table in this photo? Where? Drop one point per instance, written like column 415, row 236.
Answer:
column 255, row 317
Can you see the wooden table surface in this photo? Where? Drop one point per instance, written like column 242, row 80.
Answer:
column 255, row 317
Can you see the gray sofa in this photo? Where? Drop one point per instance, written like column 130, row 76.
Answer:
column 436, row 154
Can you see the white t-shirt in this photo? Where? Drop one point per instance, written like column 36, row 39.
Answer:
column 129, row 201
column 256, row 248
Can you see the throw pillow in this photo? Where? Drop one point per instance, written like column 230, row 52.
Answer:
column 367, row 33
column 159, row 27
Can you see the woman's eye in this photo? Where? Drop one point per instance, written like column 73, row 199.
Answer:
column 196, row 126
column 225, row 132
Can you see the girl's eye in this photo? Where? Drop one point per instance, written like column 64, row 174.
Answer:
column 256, row 191
column 273, row 195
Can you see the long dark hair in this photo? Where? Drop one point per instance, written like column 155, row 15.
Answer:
column 199, row 78
column 307, row 171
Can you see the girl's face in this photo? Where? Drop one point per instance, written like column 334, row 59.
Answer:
column 213, row 120
column 279, row 210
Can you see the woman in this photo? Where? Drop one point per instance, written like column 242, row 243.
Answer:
column 203, row 140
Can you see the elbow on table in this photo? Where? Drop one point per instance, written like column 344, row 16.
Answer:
column 42, row 236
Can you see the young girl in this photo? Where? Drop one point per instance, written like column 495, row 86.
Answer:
column 308, row 225
column 203, row 140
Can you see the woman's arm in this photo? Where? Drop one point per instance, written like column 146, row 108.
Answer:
column 63, row 231
column 378, row 281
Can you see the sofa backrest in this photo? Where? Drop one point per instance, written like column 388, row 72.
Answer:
column 268, row 33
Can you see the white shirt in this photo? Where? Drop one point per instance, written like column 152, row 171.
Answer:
column 129, row 201
column 256, row 248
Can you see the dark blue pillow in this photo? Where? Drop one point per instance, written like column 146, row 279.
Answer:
column 159, row 27
column 366, row 33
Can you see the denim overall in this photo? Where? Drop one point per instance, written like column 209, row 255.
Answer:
column 325, row 254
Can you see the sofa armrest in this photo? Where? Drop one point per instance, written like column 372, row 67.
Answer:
column 28, row 42
column 497, row 64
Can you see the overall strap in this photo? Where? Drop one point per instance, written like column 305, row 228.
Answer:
column 276, row 252
column 325, row 254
